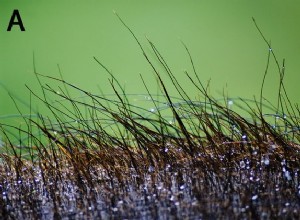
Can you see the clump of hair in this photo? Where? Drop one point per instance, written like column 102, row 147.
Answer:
column 105, row 157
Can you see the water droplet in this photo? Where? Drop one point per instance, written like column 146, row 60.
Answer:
column 168, row 166
column 230, row 102
column 264, row 215
column 266, row 160
column 152, row 110
column 151, row 169
column 287, row 175
column 242, row 164
column 194, row 203
column 273, row 146
column 254, row 197
column 147, row 97
column 182, row 187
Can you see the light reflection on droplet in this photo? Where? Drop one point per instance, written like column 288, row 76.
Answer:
column 151, row 169
column 254, row 197
column 242, row 164
column 147, row 97
column 287, row 175
column 266, row 160
column 273, row 146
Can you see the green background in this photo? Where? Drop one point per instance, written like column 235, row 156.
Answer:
column 225, row 45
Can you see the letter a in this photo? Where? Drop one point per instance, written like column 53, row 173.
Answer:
column 12, row 21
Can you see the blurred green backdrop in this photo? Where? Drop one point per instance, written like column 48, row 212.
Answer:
column 221, row 36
